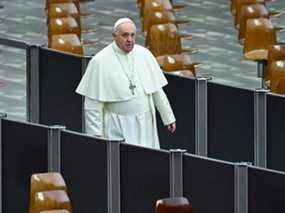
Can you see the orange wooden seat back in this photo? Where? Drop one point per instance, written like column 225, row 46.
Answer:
column 172, row 63
column 65, row 25
column 173, row 205
column 164, row 40
column 158, row 17
column 238, row 5
column 151, row 6
column 275, row 53
column 46, row 181
column 250, row 11
column 59, row 10
column 277, row 77
column 260, row 33
column 50, row 200
column 67, row 43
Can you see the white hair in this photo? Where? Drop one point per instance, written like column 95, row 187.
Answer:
column 121, row 21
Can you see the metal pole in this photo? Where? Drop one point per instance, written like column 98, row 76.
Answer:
column 176, row 172
column 261, row 72
column 201, row 114
column 2, row 116
column 33, row 83
column 260, row 127
column 113, row 166
column 241, row 188
column 54, row 148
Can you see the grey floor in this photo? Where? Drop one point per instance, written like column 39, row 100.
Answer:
column 211, row 26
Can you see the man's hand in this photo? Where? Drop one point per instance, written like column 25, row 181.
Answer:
column 171, row 127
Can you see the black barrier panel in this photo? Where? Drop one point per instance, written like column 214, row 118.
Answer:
column 144, row 178
column 84, row 167
column 59, row 76
column 24, row 152
column 230, row 123
column 266, row 191
column 208, row 184
column 275, row 132
column 181, row 94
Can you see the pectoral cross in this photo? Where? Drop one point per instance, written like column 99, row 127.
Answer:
column 132, row 87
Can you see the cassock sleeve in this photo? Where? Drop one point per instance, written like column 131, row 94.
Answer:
column 162, row 104
column 93, row 117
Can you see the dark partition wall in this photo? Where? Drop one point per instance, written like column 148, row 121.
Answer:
column 24, row 152
column 230, row 123
column 59, row 76
column 144, row 178
column 266, row 191
column 209, row 185
column 275, row 132
column 181, row 94
column 84, row 167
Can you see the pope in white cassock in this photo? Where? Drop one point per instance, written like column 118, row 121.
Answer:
column 122, row 86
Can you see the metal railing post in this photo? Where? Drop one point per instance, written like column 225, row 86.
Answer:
column 261, row 72
column 176, row 172
column 33, row 83
column 241, row 188
column 54, row 148
column 260, row 127
column 201, row 118
column 113, row 166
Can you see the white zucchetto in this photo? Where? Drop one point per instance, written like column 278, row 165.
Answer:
column 122, row 21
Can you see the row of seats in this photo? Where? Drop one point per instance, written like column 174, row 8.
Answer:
column 162, row 36
column 252, row 19
column 64, row 26
column 48, row 194
column 160, row 26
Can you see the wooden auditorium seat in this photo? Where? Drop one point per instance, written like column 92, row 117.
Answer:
column 249, row 11
column 165, row 44
column 234, row 5
column 60, row 10
column 68, row 3
column 156, row 6
column 260, row 33
column 55, row 211
column 64, row 25
column 277, row 77
column 50, row 200
column 167, row 4
column 67, row 43
column 67, row 25
column 42, row 183
column 162, row 17
column 173, row 205
column 182, row 62
column 46, row 181
column 164, row 39
column 275, row 53
column 64, row 18
column 237, row 8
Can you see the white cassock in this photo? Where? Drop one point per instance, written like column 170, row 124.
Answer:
column 116, row 110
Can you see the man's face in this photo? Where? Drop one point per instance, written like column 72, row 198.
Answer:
column 125, row 37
